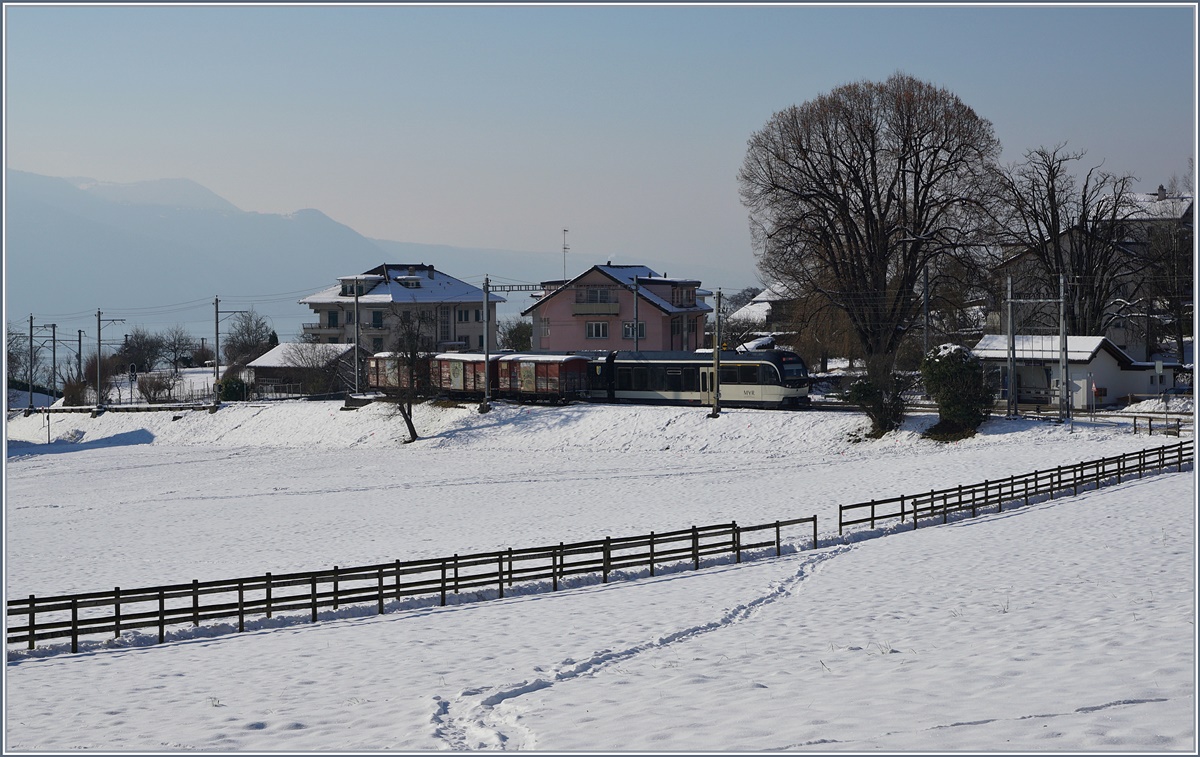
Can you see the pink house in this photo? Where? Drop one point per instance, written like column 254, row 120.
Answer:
column 598, row 310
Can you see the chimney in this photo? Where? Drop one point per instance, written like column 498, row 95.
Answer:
column 430, row 268
column 410, row 270
column 1162, row 192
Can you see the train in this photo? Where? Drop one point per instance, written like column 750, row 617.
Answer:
column 771, row 378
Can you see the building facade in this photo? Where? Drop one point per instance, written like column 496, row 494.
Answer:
column 385, row 306
column 619, row 307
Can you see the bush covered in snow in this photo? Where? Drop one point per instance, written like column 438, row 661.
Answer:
column 955, row 380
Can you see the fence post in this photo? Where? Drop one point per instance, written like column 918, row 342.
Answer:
column 872, row 513
column 736, row 541
column 268, row 597
column 1058, row 475
column 814, row 532
column 607, row 556
column 510, row 568
column 379, row 576
column 841, row 518
column 335, row 587
column 1076, row 474
column 562, row 560
column 554, row 568
column 1141, row 463
column 778, row 542
column 1150, row 425
column 195, row 602
column 901, row 508
column 651, row 554
column 162, row 616
column 397, row 580
column 117, row 612
column 695, row 548
column 32, row 620
column 500, row 572
column 241, row 606
column 455, row 572
column 314, row 597
column 443, row 583
column 75, row 626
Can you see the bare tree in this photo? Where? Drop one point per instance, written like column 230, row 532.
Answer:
column 853, row 195
column 412, row 341
column 177, row 344
column 250, row 336
column 320, row 368
column 141, row 349
column 1170, row 266
column 1072, row 227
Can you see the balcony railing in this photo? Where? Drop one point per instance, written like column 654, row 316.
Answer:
column 596, row 308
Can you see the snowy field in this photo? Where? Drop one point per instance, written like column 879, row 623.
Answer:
column 1064, row 626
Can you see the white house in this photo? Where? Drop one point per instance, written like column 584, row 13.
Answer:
column 451, row 311
column 1097, row 370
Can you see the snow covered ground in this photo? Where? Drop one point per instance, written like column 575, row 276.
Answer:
column 1067, row 625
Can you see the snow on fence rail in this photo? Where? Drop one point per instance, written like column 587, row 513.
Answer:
column 113, row 612
column 973, row 497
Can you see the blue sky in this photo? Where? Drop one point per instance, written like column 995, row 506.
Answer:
column 499, row 126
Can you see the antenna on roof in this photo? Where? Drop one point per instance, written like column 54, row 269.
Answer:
column 565, row 248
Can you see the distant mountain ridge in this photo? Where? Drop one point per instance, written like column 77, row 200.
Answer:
column 76, row 245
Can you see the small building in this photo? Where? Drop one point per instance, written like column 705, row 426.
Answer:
column 307, row 368
column 1098, row 372
column 618, row 307
column 395, row 302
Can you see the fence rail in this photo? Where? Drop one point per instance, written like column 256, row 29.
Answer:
column 160, row 607
column 975, row 497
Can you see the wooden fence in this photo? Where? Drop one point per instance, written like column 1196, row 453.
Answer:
column 113, row 612
column 941, row 503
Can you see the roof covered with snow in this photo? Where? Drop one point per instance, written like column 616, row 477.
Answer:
column 417, row 283
column 285, row 355
column 1080, row 349
column 640, row 277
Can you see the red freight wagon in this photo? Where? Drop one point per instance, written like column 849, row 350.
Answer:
column 461, row 374
column 535, row 377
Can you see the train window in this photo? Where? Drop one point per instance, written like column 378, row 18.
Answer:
column 770, row 374
column 674, row 380
column 641, row 378
column 688, row 380
column 624, row 378
column 729, row 374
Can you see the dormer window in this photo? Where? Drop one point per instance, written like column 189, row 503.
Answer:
column 349, row 287
column 409, row 282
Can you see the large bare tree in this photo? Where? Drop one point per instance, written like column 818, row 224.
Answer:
column 853, row 194
column 1070, row 226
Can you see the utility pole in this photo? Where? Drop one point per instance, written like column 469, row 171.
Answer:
column 356, row 333
column 1064, row 406
column 565, row 248
column 925, row 292
column 1011, row 411
column 487, row 348
column 99, row 354
column 217, row 313
column 29, row 367
column 1014, row 395
column 79, row 355
column 716, row 381
column 636, row 297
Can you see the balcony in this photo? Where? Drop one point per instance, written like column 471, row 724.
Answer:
column 317, row 329
column 596, row 308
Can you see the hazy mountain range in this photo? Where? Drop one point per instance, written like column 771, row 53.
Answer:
column 157, row 252
column 75, row 245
